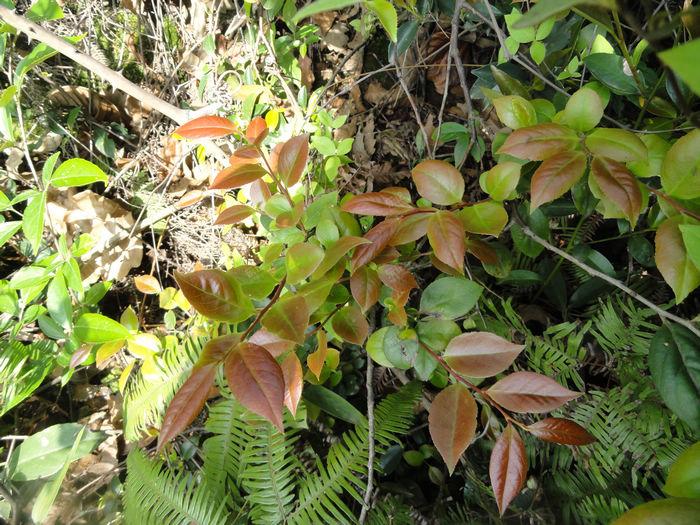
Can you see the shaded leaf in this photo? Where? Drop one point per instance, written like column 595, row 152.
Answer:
column 365, row 287
column 293, row 381
column 683, row 479
column 335, row 253
column 556, row 176
column 215, row 350
column 507, row 467
column 619, row 185
column 333, row 404
column 350, row 324
column 379, row 203
column 446, row 236
column 672, row 258
column 481, row 354
column 288, row 318
column 679, row 174
column 528, row 392
column 208, row 127
column 439, row 182
column 452, row 422
column 539, row 142
column 379, row 238
column 215, row 294
column 257, row 381
column 560, row 430
column 450, row 297
column 671, row 511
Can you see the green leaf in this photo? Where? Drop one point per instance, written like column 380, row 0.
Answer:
column 386, row 14
column 681, row 59
column 485, row 218
column 617, row 144
column 375, row 347
column 672, row 511
column 515, row 112
column 691, row 239
column 44, row 10
column 674, row 362
column 301, row 261
column 683, row 479
column 77, row 172
column 546, row 8
column 8, row 229
column 58, row 301
column 96, row 328
column 501, row 180
column 42, row 455
column 610, row 71
column 538, row 52
column 436, row 333
column 406, row 35
column 332, row 403
column 6, row 95
column 450, row 297
column 36, row 56
column 401, row 347
column 680, row 176
column 33, row 220
column 583, row 110
column 672, row 258
column 320, row 6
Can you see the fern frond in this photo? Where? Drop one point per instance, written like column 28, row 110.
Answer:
column 391, row 511
column 22, row 369
column 146, row 398
column 156, row 496
column 320, row 494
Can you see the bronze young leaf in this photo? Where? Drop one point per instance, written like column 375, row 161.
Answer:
column 439, row 182
column 397, row 277
column 507, row 467
column 257, row 381
column 365, row 287
column 481, row 354
column 216, row 295
column 446, row 236
column 288, row 318
column 528, row 392
column 560, row 430
column 380, row 204
column 316, row 359
column 216, row 350
column 452, row 422
column 556, row 176
column 411, row 228
column 293, row 381
column 234, row 214
column 209, row 127
column 379, row 237
column 292, row 159
column 618, row 184
column 257, row 131
column 539, row 142
column 237, row 176
column 350, row 324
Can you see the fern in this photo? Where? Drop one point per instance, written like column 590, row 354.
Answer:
column 156, row 496
column 146, row 398
column 390, row 511
column 22, row 369
column 319, row 498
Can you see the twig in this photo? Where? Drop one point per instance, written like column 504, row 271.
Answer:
column 454, row 52
column 264, row 310
column 416, row 111
column 610, row 280
column 37, row 32
column 446, row 88
column 370, row 431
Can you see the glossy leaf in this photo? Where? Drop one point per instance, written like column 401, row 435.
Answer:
column 679, row 174
column 481, row 354
column 616, row 144
column 397, row 277
column 257, row 131
column 293, row 381
column 411, row 228
column 333, row 404
column 335, row 253
column 446, row 236
column 450, row 297
column 560, row 430
column 208, row 127
column 452, row 422
column 288, row 318
column 501, row 180
column 301, row 261
column 672, row 258
column 619, row 185
column 515, row 112
column 234, row 214
column 683, row 480
column 674, row 363
column 350, row 324
column 147, row 284
column 292, row 159
column 528, row 392
column 257, row 381
column 583, row 110
column 237, row 176
column 681, row 59
column 316, row 359
column 215, row 350
column 507, row 467
column 187, row 403
column 555, row 176
column 77, row 172
column 439, row 182
column 671, row 511
column 216, row 295
column 96, row 328
column 365, row 287
column 274, row 344
column 485, row 218
column 379, row 237
column 378, row 203
column 539, row 142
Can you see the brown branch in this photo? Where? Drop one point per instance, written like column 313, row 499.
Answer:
column 264, row 310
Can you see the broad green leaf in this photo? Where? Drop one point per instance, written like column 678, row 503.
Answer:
column 545, row 9
column 375, row 347
column 386, row 13
column 255, row 282
column 406, row 34
column 657, row 148
column 8, row 229
column 501, row 180
column 683, row 479
column 515, row 112
column 33, row 220
column 96, row 328
column 485, row 218
column 611, row 71
column 319, row 6
column 436, row 333
column 288, row 318
column 36, row 56
column 674, row 362
column 672, row 258
column 58, row 301
column 538, row 52
column 450, row 297
column 617, row 144
column 44, row 10
column 672, row 511
column 7, row 95
column 681, row 59
column 215, row 294
column 48, row 167
column 42, row 454
column 77, row 172
column 332, row 403
column 691, row 240
column 680, row 176
column 301, row 261
column 523, row 35
column 401, row 347
column 583, row 110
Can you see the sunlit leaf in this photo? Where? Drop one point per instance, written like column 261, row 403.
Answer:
column 292, row 159
column 208, row 127
column 515, row 112
column 452, row 422
column 316, row 359
column 335, row 253
column 288, row 318
column 301, row 261
column 378, row 203
column 216, row 295
column 76, row 172
column 96, row 328
column 237, row 176
column 293, row 381
column 234, row 214
column 583, row 110
column 147, row 284
column 257, row 131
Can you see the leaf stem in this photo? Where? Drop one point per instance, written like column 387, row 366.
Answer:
column 275, row 297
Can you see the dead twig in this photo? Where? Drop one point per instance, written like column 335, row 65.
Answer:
column 366, row 504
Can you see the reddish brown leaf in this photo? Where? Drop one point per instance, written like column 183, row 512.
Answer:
column 446, row 236
column 215, row 294
column 234, row 214
column 187, row 403
column 507, row 467
column 379, row 237
column 387, row 255
column 316, row 359
column 245, row 153
column 257, row 381
column 562, row 431
column 288, row 318
column 556, row 176
column 340, row 249
column 397, row 277
column 257, row 131
column 411, row 228
column 290, row 218
column 539, row 142
column 350, row 324
column 293, row 381
column 259, row 192
column 481, row 354
column 365, row 287
column 439, row 182
column 530, row 392
column 216, row 350
column 482, row 251
column 619, row 185
column 209, row 127
column 379, row 203
column 189, row 198
column 397, row 191
column 237, row 175
column 271, row 342
column 452, row 422
column 292, row 159
column 444, row 268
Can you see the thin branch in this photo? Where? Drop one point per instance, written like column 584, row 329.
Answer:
column 454, row 52
column 610, row 280
column 414, row 106
column 366, row 504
